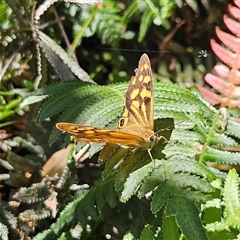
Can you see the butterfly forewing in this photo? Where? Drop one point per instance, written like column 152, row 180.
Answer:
column 99, row 135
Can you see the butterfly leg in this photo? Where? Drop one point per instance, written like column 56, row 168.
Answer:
column 162, row 137
column 150, row 155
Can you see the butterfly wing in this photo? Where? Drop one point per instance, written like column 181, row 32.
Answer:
column 99, row 135
column 137, row 116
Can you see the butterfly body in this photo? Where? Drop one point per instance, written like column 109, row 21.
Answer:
column 135, row 127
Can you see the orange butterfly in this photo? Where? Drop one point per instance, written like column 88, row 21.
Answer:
column 135, row 127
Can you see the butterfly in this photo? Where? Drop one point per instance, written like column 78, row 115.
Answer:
column 135, row 128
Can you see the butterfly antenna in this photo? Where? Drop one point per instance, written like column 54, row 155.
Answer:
column 169, row 128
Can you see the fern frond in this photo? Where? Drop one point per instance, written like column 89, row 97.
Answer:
column 133, row 7
column 186, row 214
column 34, row 194
column 66, row 217
column 8, row 218
column 233, row 128
column 170, row 184
column 3, row 231
column 104, row 21
column 43, row 235
column 219, row 156
column 34, row 214
column 152, row 12
column 227, row 78
column 147, row 18
column 133, row 182
column 19, row 163
column 101, row 194
column 66, row 67
column 131, row 162
column 174, row 193
column 187, row 167
column 8, row 224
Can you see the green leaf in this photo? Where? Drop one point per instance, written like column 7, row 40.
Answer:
column 145, row 23
column 133, row 182
column 147, row 233
column 113, row 155
column 65, row 66
column 219, row 156
column 187, row 216
column 170, row 228
column 233, row 128
column 133, row 7
column 152, row 12
column 31, row 100
column 231, row 199
column 221, row 235
column 161, row 195
column 131, row 163
column 128, row 236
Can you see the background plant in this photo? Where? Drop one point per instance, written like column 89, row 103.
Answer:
column 186, row 189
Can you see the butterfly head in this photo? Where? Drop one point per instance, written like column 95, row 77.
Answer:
column 154, row 137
